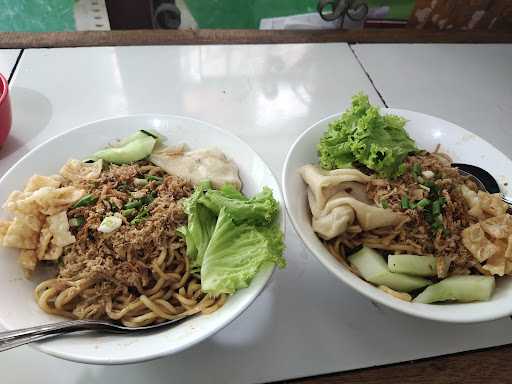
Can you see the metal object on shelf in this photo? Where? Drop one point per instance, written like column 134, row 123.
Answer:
column 165, row 14
column 355, row 10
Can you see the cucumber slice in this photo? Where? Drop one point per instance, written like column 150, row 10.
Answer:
column 460, row 288
column 137, row 148
column 374, row 269
column 400, row 282
column 128, row 139
column 413, row 264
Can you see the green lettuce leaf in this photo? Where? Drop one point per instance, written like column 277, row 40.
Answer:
column 260, row 209
column 200, row 226
column 363, row 135
column 236, row 252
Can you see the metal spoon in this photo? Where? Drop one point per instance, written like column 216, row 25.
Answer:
column 483, row 179
column 16, row 338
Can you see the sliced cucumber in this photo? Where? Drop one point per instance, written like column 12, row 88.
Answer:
column 413, row 264
column 128, row 139
column 135, row 147
column 400, row 281
column 459, row 288
column 374, row 269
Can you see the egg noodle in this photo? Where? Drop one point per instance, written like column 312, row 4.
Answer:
column 111, row 232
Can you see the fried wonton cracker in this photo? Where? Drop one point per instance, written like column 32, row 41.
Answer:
column 44, row 241
column 496, row 263
column 399, row 295
column 492, row 203
column 4, row 226
column 472, row 200
column 475, row 241
column 53, row 252
column 28, row 261
column 21, row 202
column 55, row 200
column 76, row 170
column 59, row 227
column 499, row 227
column 21, row 233
column 37, row 181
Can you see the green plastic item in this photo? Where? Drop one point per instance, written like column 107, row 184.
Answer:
column 37, row 15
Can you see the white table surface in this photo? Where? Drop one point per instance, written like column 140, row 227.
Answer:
column 8, row 60
column 469, row 85
column 306, row 322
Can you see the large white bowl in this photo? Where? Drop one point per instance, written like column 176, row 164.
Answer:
column 428, row 131
column 18, row 308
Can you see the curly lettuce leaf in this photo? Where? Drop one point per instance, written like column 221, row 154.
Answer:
column 363, row 135
column 200, row 226
column 262, row 208
column 236, row 252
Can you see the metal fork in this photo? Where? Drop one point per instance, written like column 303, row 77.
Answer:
column 16, row 338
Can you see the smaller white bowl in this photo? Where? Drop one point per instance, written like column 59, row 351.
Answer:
column 428, row 131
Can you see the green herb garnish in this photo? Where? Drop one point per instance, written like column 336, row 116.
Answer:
column 423, row 203
column 141, row 216
column 143, row 201
column 85, row 201
column 76, row 221
column 154, row 178
column 148, row 199
column 416, row 170
column 123, row 187
column 128, row 212
column 134, row 204
column 405, row 202
column 384, row 204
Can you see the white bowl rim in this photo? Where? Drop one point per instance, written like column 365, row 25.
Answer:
column 41, row 346
column 359, row 284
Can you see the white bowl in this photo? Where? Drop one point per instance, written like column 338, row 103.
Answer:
column 19, row 309
column 428, row 131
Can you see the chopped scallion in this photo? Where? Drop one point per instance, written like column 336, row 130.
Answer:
column 85, row 201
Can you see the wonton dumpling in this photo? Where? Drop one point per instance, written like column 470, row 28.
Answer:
column 337, row 198
column 323, row 184
column 333, row 223
column 198, row 165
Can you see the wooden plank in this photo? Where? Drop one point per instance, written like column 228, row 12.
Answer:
column 489, row 366
column 183, row 37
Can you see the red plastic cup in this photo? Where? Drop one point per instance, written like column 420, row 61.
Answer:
column 5, row 110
